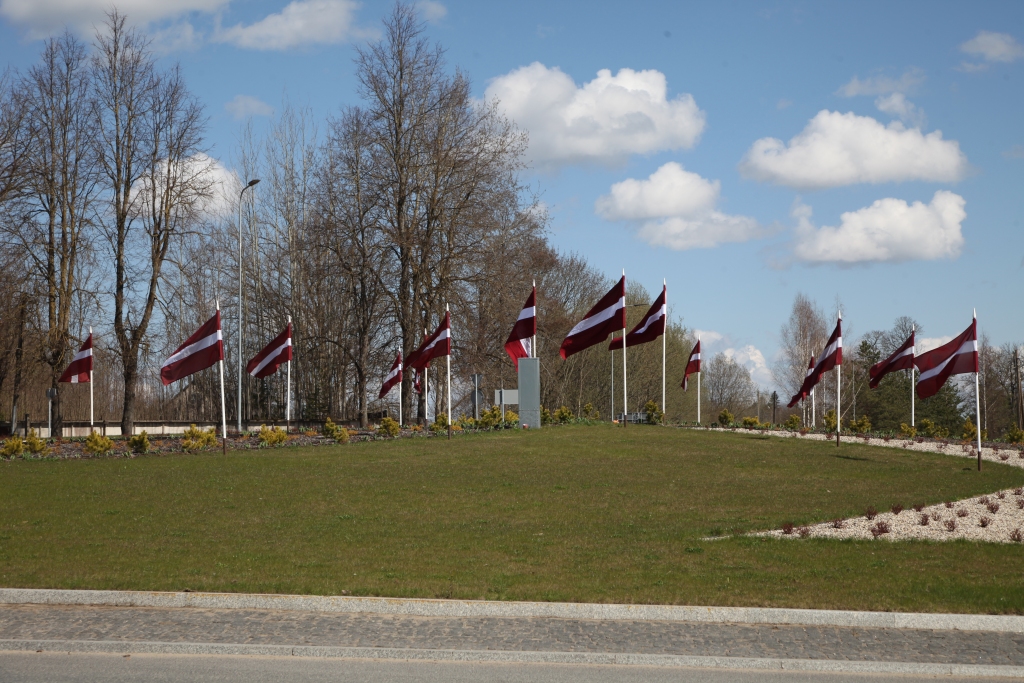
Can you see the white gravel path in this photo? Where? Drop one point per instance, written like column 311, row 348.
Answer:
column 1002, row 511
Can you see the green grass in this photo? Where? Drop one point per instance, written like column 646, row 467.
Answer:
column 575, row 513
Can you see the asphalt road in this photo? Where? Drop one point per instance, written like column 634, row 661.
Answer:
column 47, row 667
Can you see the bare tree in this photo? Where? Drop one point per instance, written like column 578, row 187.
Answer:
column 728, row 384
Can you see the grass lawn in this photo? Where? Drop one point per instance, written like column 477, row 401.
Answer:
column 597, row 514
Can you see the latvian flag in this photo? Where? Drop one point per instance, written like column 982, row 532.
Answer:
column 829, row 358
column 650, row 328
column 435, row 346
column 200, row 351
column 393, row 378
column 520, row 339
column 81, row 365
column 957, row 357
column 607, row 316
column 692, row 365
column 278, row 351
column 901, row 359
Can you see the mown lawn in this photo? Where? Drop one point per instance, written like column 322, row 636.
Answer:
column 570, row 513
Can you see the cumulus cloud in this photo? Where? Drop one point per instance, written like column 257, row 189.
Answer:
column 300, row 23
column 844, row 149
column 752, row 359
column 925, row 344
column 44, row 17
column 1014, row 152
column 431, row 10
column 899, row 106
column 883, row 85
column 604, row 121
column 244, row 106
column 993, row 47
column 890, row 230
column 675, row 208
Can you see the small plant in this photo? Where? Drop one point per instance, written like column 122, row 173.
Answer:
column 1016, row 535
column 880, row 527
column 993, row 507
column 970, row 430
column 545, row 416
column 984, row 521
column 1015, row 434
column 896, row 509
column 139, row 443
column 590, row 412
column 923, row 521
column 792, row 423
column 829, row 420
column 1019, row 491
column 936, row 517
column 787, row 528
column 918, row 507
column 13, row 447
column 908, row 431
column 1001, row 495
column 97, row 444
column 804, row 431
column 654, row 413
column 751, row 422
column 983, row 500
column 961, row 512
column 333, row 431
column 950, row 524
column 272, row 436
column 563, row 415
column 804, row 531
column 440, row 424
column 196, row 439
column 839, row 523
column 725, row 418
column 860, row 426
column 871, row 512
column 388, row 427
column 949, row 504
column 511, row 418
column 35, row 445
column 1004, row 456
column 1020, row 503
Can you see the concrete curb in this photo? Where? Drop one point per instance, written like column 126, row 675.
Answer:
column 485, row 608
column 506, row 656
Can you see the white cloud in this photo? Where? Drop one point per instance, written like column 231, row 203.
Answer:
column 300, row 23
column 1015, row 152
column 844, row 149
column 883, row 85
column 709, row 338
column 926, row 344
column 244, row 106
column 890, row 230
column 604, row 121
column 899, row 106
column 675, row 208
column 993, row 47
column 44, row 17
column 431, row 10
column 752, row 359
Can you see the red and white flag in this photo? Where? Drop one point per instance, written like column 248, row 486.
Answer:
column 829, row 358
column 200, row 351
column 278, row 351
column 393, row 378
column 436, row 345
column 901, row 359
column 520, row 339
column 650, row 328
column 81, row 365
column 957, row 357
column 692, row 365
column 607, row 316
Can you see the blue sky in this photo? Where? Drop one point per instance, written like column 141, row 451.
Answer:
column 870, row 152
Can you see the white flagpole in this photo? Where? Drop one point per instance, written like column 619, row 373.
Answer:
column 839, row 383
column 977, row 395
column 664, row 333
column 813, row 416
column 223, row 410
column 698, row 385
column 912, row 387
column 426, row 390
column 288, row 388
column 448, row 367
column 93, row 359
column 400, row 395
column 625, row 396
column 612, row 354
column 533, row 343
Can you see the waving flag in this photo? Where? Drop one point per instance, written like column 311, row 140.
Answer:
column 520, row 339
column 80, row 367
column 650, row 328
column 278, row 351
column 957, row 357
column 435, row 346
column 607, row 316
column 394, row 377
column 829, row 358
column 901, row 359
column 692, row 365
column 200, row 351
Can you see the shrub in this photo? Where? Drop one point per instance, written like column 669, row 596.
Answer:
column 880, row 527
column 787, row 528
column 590, row 412
column 918, row 507
column 13, row 447
column 839, row 523
column 970, row 430
column 273, row 436
column 388, row 427
column 950, row 524
column 333, row 431
column 871, row 512
column 97, row 444
column 139, row 443
column 654, row 413
column 829, row 420
column 751, row 422
column 545, row 416
column 896, row 509
column 1004, row 456
column 1014, row 434
column 440, row 424
column 1016, row 536
column 930, row 429
column 792, row 423
column 907, row 430
column 949, row 504
column 993, row 507
column 563, row 415
column 984, row 521
column 804, row 531
column 725, row 418
column 1019, row 491
column 861, row 426
column 195, row 439
column 1020, row 503
column 511, row 418
column 961, row 512
column 923, row 521
column 35, row 445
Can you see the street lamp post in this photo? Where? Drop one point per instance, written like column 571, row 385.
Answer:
column 240, row 262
